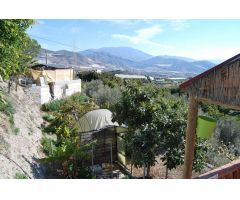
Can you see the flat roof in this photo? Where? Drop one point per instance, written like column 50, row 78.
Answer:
column 50, row 66
column 130, row 76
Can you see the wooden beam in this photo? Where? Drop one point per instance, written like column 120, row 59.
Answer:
column 190, row 136
column 225, row 105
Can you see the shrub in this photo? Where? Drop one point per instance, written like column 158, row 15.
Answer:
column 102, row 94
column 20, row 176
column 16, row 130
column 6, row 106
column 48, row 145
column 53, row 105
column 48, row 117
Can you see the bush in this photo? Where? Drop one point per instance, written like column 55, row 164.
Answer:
column 48, row 117
column 48, row 145
column 6, row 106
column 102, row 94
column 20, row 176
column 53, row 105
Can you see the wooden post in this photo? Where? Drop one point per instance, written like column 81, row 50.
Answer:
column 190, row 136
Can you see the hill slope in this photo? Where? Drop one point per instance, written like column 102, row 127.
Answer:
column 20, row 145
column 124, row 58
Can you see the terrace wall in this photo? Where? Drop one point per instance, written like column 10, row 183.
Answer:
column 42, row 95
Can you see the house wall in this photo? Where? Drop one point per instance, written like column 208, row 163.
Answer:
column 54, row 75
column 42, row 95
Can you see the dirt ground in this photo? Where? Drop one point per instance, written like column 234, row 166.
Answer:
column 159, row 171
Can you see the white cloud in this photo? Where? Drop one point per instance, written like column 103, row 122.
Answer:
column 143, row 36
column 179, row 24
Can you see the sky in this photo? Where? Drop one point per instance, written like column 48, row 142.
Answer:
column 198, row 39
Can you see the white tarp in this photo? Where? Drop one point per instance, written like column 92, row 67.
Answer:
column 96, row 120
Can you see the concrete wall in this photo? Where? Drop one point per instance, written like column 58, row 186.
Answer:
column 42, row 95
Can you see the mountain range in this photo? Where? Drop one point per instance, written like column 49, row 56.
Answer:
column 125, row 58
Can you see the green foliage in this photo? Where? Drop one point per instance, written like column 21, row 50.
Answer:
column 17, row 49
column 229, row 131
column 48, row 117
column 157, row 123
column 67, row 151
column 16, row 130
column 20, row 176
column 53, row 105
column 107, row 78
column 57, row 105
column 212, row 110
column 6, row 105
column 88, row 76
column 103, row 95
column 48, row 145
column 218, row 153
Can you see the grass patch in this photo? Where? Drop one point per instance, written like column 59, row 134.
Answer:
column 48, row 117
column 16, row 130
column 6, row 106
column 20, row 176
column 48, row 145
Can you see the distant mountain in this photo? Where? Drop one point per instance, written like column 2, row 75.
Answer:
column 125, row 53
column 108, row 59
column 168, row 64
column 179, row 58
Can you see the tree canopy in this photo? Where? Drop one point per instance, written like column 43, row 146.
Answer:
column 17, row 49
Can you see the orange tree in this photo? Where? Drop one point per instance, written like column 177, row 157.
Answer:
column 156, row 122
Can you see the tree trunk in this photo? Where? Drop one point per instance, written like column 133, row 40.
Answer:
column 166, row 175
column 144, row 171
column 148, row 171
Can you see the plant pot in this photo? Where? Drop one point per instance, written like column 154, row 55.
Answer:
column 205, row 126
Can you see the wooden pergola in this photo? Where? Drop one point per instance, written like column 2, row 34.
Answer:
column 219, row 85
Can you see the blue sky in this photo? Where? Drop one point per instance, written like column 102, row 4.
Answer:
column 198, row 39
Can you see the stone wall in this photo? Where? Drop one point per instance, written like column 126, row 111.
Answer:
column 42, row 95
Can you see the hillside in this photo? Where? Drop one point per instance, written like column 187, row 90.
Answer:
column 125, row 53
column 124, row 58
column 20, row 137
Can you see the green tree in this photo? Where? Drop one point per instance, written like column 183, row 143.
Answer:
column 136, row 109
column 16, row 47
column 157, row 123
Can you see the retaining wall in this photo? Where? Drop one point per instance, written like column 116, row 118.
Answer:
column 42, row 95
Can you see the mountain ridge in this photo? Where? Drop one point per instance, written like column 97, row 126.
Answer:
column 105, row 59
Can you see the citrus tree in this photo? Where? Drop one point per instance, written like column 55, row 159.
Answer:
column 16, row 47
column 156, row 122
